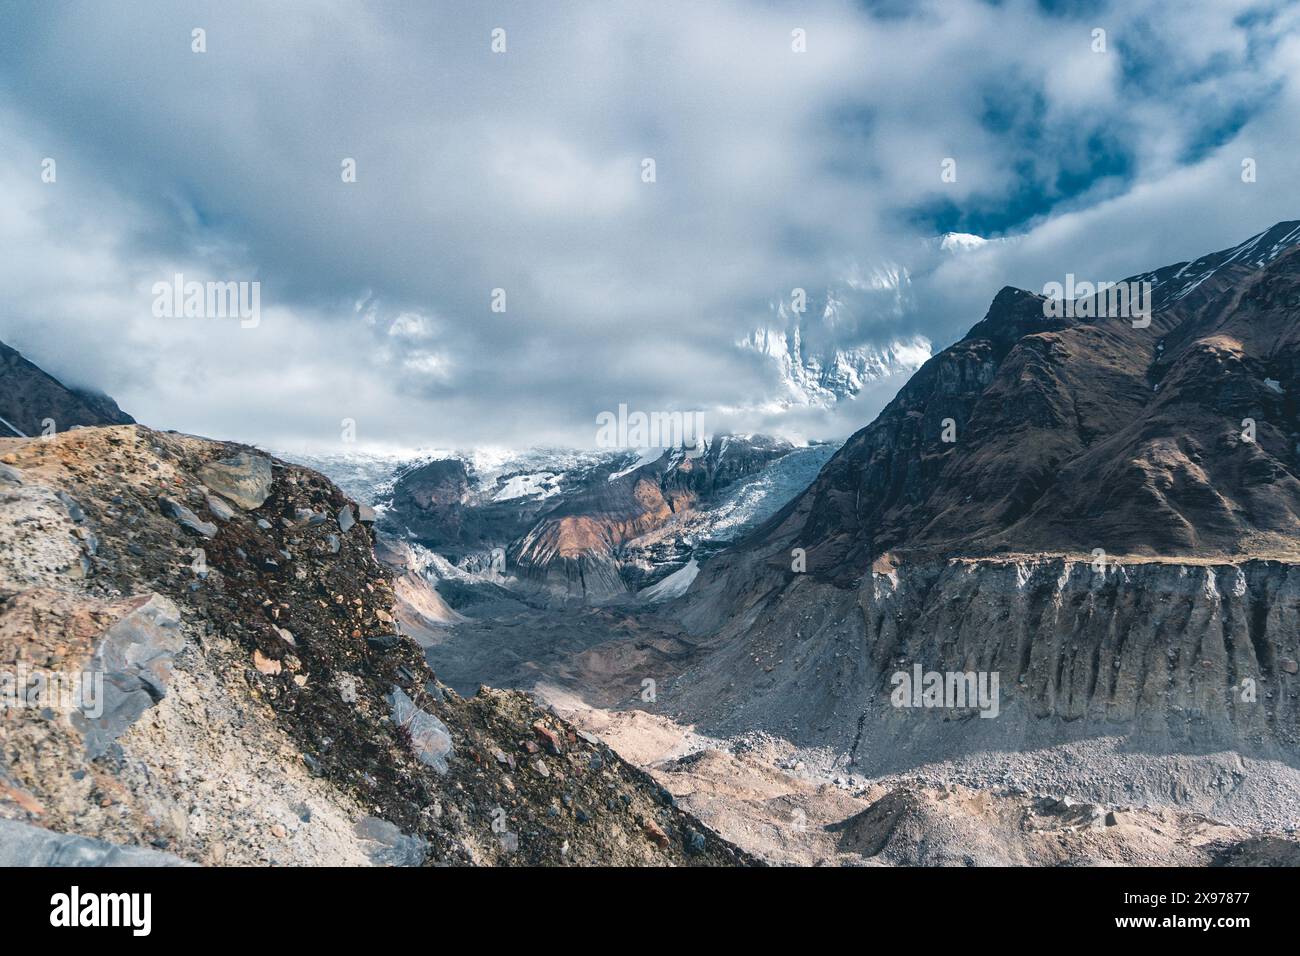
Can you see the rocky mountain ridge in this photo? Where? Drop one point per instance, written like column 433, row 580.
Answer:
column 33, row 402
column 261, row 703
column 1112, row 530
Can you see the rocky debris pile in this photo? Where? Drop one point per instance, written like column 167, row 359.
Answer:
column 266, row 707
column 800, row 806
column 955, row 826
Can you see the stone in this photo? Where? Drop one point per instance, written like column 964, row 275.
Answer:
column 75, row 511
column 655, row 832
column 346, row 521
column 220, row 510
column 429, row 737
column 695, row 842
column 244, row 479
column 347, row 684
column 25, row 845
column 1288, row 665
column 386, row 845
column 186, row 518
column 551, row 739
column 367, row 514
column 135, row 657
column 266, row 665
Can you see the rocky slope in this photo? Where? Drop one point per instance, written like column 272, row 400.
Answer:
column 259, row 703
column 559, row 534
column 1102, row 534
column 30, row 398
column 575, row 550
column 793, row 806
column 1035, row 433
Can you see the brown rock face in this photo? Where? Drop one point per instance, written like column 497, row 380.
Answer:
column 1074, row 434
column 575, row 549
column 1114, row 531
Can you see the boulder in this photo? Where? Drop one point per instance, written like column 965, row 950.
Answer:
column 186, row 518
column 135, row 658
column 244, row 479
column 220, row 510
column 386, row 845
column 429, row 736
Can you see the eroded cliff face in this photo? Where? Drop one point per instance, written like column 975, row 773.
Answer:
column 1180, row 657
column 576, row 551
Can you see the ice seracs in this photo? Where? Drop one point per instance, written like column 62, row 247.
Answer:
column 827, row 345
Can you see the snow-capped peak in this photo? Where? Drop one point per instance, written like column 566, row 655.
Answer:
column 961, row 242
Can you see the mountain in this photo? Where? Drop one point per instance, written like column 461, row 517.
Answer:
column 466, row 507
column 262, row 700
column 1114, row 530
column 574, row 550
column 836, row 342
column 824, row 377
column 1076, row 434
column 29, row 398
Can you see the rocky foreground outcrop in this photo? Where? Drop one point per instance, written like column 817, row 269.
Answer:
column 259, row 703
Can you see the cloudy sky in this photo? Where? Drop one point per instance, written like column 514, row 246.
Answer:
column 522, row 171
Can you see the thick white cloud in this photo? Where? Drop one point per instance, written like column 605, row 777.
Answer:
column 522, row 171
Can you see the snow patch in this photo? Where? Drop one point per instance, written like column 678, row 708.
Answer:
column 542, row 485
column 673, row 586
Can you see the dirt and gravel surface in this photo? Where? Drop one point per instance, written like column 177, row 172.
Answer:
column 792, row 806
